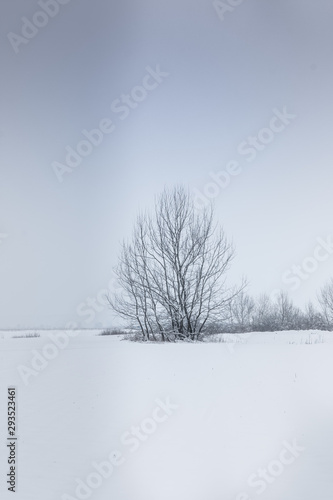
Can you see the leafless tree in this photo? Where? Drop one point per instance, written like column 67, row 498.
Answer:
column 242, row 309
column 173, row 271
column 313, row 319
column 325, row 298
column 287, row 315
column 278, row 315
column 264, row 318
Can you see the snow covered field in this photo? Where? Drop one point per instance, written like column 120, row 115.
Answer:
column 248, row 417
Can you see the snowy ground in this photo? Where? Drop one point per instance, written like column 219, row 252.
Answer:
column 248, row 417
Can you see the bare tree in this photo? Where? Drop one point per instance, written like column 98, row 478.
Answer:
column 173, row 271
column 325, row 298
column 288, row 316
column 313, row 319
column 242, row 309
column 264, row 315
column 279, row 315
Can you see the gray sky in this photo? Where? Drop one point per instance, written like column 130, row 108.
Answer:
column 212, row 82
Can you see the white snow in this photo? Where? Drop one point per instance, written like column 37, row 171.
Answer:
column 239, row 405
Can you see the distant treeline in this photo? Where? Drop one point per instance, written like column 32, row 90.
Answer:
column 265, row 314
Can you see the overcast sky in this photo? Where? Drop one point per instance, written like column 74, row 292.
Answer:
column 247, row 89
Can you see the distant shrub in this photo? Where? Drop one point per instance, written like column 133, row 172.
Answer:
column 134, row 336
column 112, row 331
column 26, row 336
